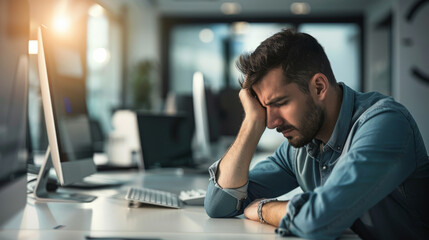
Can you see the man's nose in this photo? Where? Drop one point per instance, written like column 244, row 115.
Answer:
column 273, row 118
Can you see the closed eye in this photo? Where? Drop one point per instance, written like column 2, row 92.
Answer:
column 279, row 104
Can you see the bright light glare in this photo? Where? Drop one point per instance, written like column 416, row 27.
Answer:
column 300, row 8
column 100, row 55
column 230, row 8
column 33, row 47
column 240, row 27
column 96, row 10
column 206, row 35
column 61, row 24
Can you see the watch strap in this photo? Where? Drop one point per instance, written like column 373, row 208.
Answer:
column 261, row 204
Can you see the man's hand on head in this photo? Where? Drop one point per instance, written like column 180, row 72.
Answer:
column 252, row 107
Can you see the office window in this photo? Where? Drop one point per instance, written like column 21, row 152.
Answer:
column 197, row 48
column 104, row 66
column 212, row 49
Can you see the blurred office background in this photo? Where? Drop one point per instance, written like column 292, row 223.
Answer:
column 138, row 53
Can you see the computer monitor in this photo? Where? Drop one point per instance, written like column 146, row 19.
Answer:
column 202, row 136
column 14, row 35
column 165, row 140
column 63, row 88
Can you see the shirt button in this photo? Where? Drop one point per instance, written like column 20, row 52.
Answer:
column 324, row 167
column 339, row 148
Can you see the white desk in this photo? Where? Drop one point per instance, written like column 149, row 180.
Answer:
column 110, row 217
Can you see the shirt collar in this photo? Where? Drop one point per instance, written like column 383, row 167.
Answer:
column 341, row 130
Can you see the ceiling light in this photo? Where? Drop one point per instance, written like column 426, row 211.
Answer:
column 206, row 35
column 230, row 8
column 240, row 27
column 33, row 48
column 61, row 24
column 300, row 8
column 96, row 10
column 100, row 55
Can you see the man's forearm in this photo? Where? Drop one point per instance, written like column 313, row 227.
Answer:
column 233, row 170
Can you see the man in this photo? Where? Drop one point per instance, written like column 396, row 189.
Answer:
column 358, row 157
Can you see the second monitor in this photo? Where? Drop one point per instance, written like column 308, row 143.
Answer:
column 165, row 140
column 70, row 149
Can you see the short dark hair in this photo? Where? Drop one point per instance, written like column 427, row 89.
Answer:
column 299, row 55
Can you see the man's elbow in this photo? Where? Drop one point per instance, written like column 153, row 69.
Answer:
column 213, row 212
column 219, row 204
column 220, row 209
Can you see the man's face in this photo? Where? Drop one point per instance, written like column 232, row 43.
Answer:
column 289, row 110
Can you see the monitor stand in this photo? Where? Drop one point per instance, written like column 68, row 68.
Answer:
column 42, row 194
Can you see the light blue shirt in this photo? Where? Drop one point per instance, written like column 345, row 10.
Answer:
column 372, row 176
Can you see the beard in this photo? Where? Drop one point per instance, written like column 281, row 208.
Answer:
column 308, row 127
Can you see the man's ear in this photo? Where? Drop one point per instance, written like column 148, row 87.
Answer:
column 319, row 85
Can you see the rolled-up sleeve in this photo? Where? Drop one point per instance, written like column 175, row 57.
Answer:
column 269, row 178
column 378, row 160
column 223, row 202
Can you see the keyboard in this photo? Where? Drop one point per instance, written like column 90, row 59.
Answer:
column 193, row 197
column 137, row 196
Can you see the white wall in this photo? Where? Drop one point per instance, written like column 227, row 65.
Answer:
column 142, row 22
column 406, row 89
column 143, row 40
column 409, row 90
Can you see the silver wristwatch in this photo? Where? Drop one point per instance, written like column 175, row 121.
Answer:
column 261, row 204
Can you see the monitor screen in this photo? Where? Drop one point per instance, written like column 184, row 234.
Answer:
column 69, row 104
column 68, row 95
column 62, row 81
column 165, row 139
column 14, row 31
column 202, row 133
